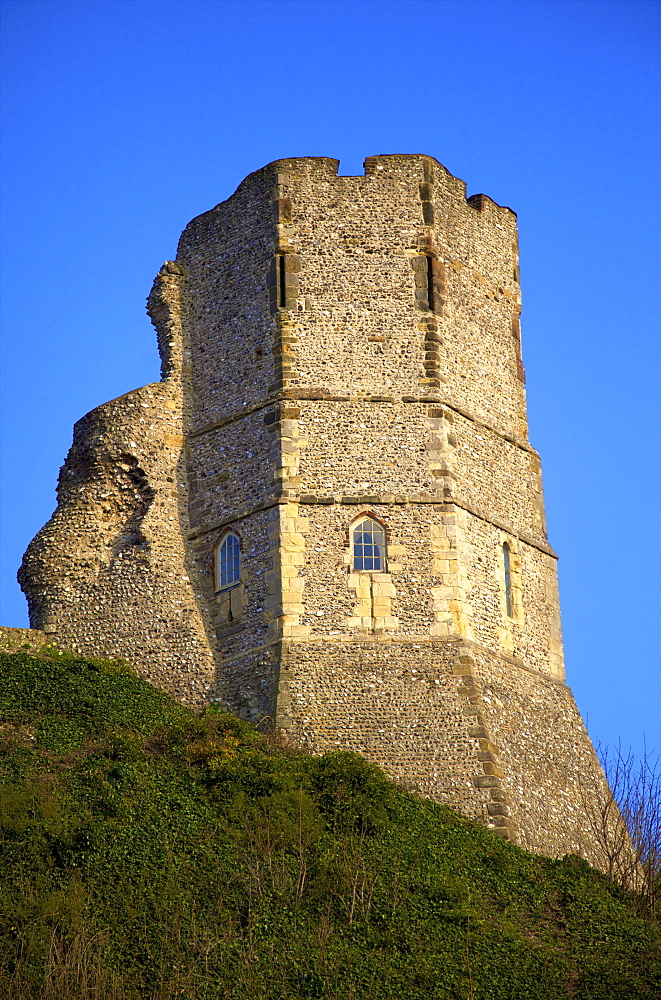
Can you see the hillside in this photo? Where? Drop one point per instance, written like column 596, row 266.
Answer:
column 152, row 853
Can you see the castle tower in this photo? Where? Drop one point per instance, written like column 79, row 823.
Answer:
column 327, row 515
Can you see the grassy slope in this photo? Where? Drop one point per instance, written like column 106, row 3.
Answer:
column 151, row 853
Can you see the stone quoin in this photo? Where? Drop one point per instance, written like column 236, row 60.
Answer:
column 327, row 515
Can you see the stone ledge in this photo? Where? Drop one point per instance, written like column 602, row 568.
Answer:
column 323, row 395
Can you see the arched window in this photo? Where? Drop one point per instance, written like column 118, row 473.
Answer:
column 228, row 561
column 368, row 541
column 508, row 580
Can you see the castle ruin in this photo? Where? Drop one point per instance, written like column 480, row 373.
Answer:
column 327, row 515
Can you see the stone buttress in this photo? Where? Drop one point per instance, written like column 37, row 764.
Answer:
column 337, row 348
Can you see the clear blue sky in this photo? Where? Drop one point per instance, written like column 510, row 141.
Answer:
column 123, row 120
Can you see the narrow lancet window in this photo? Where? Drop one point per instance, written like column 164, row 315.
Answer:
column 508, row 580
column 430, row 283
column 228, row 562
column 282, row 282
column 369, row 545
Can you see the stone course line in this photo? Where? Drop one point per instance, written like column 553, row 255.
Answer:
column 293, row 397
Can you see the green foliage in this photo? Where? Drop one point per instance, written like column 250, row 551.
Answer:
column 352, row 793
column 148, row 852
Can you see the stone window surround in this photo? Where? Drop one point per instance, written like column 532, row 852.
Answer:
column 516, row 581
column 379, row 545
column 349, row 546
column 229, row 600
column 507, row 570
column 509, row 631
column 216, row 554
column 373, row 589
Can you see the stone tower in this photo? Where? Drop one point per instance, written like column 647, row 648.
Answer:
column 327, row 514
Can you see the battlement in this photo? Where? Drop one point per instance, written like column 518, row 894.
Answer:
column 385, row 167
column 352, row 252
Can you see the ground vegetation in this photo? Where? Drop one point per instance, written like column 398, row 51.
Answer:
column 152, row 852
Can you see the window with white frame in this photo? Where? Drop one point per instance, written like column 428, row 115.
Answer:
column 368, row 545
column 228, row 562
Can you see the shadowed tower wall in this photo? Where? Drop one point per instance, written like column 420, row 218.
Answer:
column 348, row 347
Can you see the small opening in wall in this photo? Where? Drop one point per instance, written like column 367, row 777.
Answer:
column 282, row 289
column 508, row 580
column 430, row 283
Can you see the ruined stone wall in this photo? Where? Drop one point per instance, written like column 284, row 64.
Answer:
column 334, row 347
column 110, row 573
column 13, row 640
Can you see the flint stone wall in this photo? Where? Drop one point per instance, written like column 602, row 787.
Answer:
column 336, row 347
